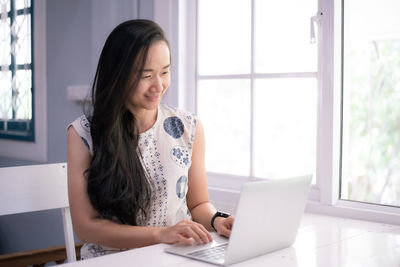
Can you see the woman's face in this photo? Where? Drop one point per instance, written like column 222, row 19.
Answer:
column 154, row 81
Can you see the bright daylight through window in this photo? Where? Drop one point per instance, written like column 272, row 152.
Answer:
column 257, row 86
column 16, row 92
column 371, row 102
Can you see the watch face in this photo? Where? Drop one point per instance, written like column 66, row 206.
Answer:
column 223, row 214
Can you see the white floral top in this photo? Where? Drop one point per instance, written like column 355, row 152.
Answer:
column 166, row 151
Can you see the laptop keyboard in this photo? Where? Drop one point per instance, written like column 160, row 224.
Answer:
column 212, row 253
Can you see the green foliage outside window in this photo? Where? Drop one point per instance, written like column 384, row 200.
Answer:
column 373, row 167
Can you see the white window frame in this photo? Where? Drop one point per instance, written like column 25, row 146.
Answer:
column 34, row 151
column 178, row 19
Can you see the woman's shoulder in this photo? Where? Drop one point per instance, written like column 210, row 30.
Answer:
column 82, row 127
column 185, row 116
column 180, row 125
column 81, row 123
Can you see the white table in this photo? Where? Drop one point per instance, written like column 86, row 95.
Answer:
column 322, row 241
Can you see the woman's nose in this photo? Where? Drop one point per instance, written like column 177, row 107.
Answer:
column 158, row 84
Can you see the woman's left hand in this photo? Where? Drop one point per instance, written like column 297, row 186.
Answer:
column 224, row 225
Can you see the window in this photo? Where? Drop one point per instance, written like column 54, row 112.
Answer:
column 257, row 86
column 371, row 97
column 257, row 89
column 16, row 77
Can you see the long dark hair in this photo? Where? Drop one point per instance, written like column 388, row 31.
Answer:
column 116, row 183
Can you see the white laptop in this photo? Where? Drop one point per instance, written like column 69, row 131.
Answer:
column 267, row 219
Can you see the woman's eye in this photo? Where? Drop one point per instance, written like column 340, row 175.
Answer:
column 165, row 72
column 146, row 76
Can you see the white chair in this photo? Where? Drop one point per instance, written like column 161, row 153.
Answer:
column 37, row 188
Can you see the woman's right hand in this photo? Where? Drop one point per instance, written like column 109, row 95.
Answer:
column 185, row 232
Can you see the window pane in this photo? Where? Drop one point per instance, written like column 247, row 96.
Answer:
column 371, row 97
column 20, row 4
column 5, row 95
column 22, row 95
column 224, row 38
column 5, row 42
column 282, row 36
column 23, row 42
column 285, row 127
column 224, row 109
column 5, row 6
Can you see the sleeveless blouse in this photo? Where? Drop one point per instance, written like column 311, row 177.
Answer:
column 165, row 151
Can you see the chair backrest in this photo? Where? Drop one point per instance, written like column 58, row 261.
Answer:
column 36, row 188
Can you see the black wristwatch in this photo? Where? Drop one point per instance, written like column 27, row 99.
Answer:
column 218, row 214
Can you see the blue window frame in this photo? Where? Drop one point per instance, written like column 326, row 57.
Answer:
column 16, row 70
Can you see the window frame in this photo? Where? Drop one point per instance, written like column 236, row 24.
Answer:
column 22, row 130
column 178, row 18
column 34, row 151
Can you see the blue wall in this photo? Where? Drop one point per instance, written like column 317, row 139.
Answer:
column 76, row 30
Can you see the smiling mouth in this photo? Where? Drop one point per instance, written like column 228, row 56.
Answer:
column 153, row 98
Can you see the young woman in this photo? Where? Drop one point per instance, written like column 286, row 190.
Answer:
column 136, row 173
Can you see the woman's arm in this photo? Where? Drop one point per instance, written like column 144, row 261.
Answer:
column 89, row 226
column 197, row 197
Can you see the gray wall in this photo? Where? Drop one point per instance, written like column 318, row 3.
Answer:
column 76, row 30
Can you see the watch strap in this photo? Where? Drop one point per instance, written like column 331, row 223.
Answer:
column 218, row 214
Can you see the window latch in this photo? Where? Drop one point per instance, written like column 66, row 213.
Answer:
column 314, row 20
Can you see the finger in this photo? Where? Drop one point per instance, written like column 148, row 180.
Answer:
column 191, row 231
column 227, row 227
column 204, row 235
column 194, row 230
column 185, row 240
column 229, row 222
column 201, row 231
column 176, row 234
column 224, row 231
